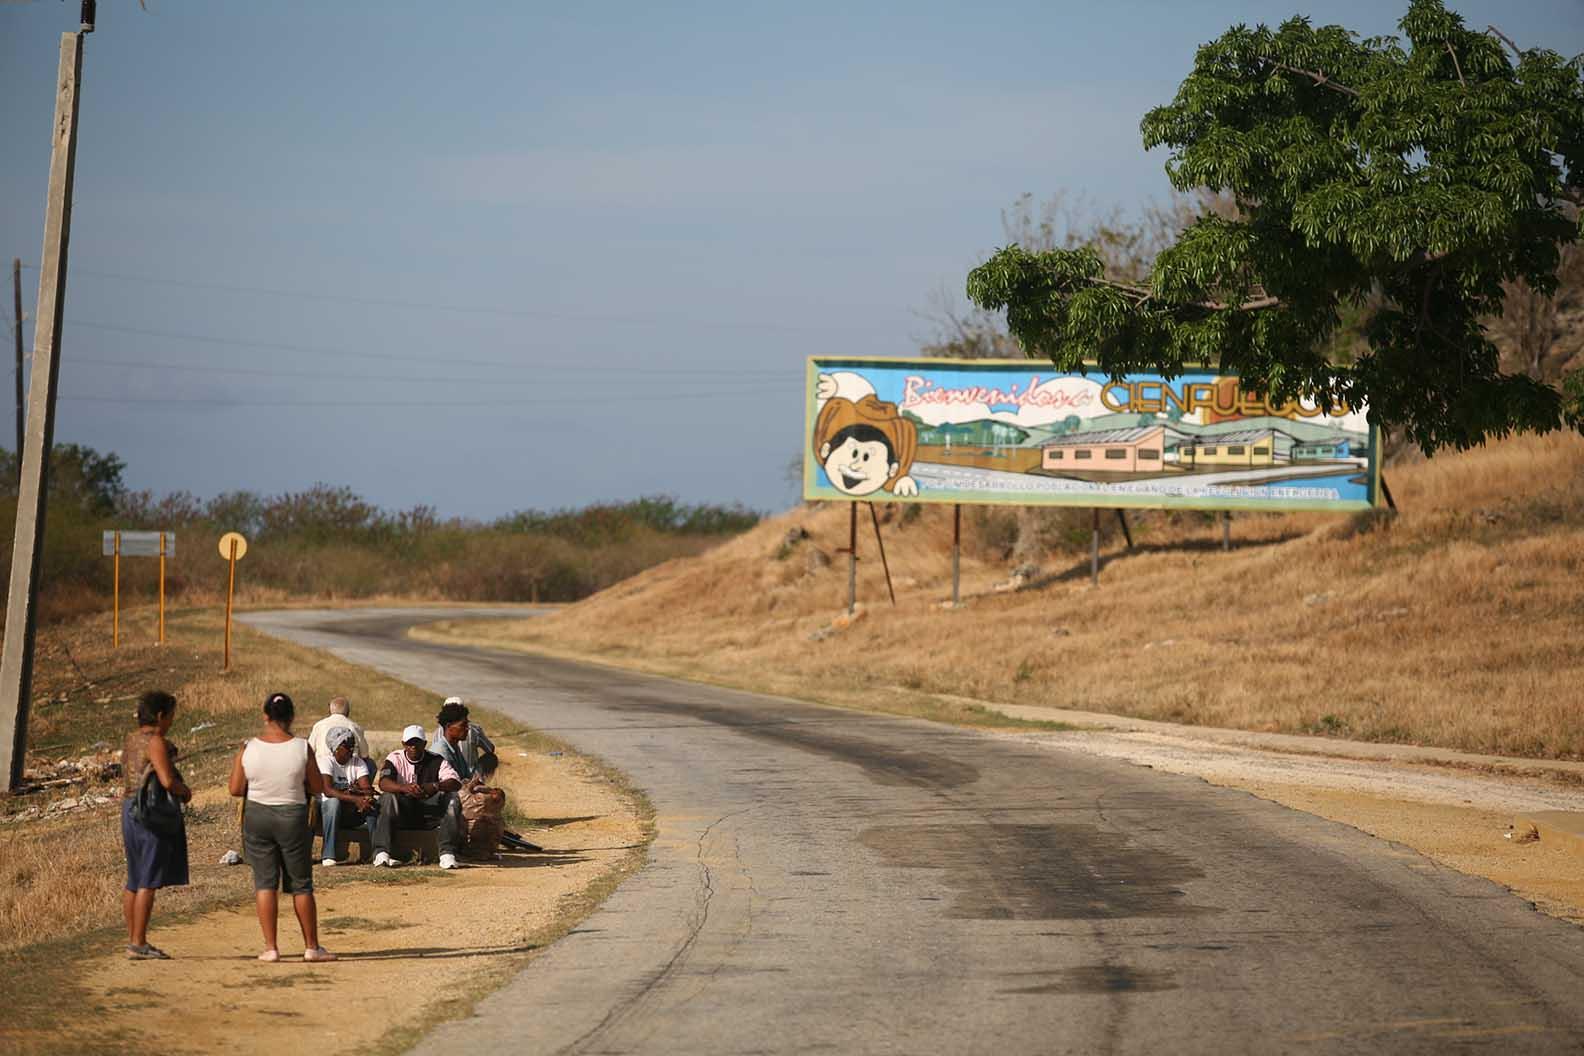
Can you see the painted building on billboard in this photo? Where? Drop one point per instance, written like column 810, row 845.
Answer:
column 1141, row 448
column 1251, row 447
column 1005, row 431
column 1324, row 449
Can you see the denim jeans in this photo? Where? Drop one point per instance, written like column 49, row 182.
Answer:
column 338, row 814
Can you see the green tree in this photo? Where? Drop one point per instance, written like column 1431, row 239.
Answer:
column 1408, row 179
column 78, row 475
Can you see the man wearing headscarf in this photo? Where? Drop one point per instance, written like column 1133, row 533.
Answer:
column 349, row 800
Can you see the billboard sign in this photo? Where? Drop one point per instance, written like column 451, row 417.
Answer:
column 1014, row 432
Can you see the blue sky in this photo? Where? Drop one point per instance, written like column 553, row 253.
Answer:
column 490, row 257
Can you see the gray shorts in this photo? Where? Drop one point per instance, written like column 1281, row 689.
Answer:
column 277, row 842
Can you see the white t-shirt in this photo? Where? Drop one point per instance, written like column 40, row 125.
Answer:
column 321, row 730
column 342, row 777
column 276, row 772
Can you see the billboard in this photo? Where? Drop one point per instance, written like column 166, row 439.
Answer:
column 1010, row 431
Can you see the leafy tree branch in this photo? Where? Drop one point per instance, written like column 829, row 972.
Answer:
column 1398, row 185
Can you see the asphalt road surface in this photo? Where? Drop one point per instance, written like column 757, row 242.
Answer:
column 828, row 881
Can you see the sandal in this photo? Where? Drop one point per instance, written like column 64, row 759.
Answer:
column 270, row 956
column 146, row 952
column 318, row 953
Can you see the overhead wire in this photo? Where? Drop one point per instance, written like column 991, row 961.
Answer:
column 559, row 401
column 723, row 374
column 427, row 379
column 215, row 339
column 412, row 305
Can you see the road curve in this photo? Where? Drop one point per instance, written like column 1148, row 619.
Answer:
column 824, row 880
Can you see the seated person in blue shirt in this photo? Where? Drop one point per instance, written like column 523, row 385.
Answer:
column 463, row 744
column 458, row 740
column 349, row 800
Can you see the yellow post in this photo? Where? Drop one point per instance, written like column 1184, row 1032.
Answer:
column 230, row 589
column 115, row 606
column 162, row 590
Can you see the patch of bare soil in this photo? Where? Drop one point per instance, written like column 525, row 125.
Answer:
column 1458, row 818
column 416, row 945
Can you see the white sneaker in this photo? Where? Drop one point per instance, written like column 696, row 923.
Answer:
column 381, row 858
column 328, row 862
column 448, row 861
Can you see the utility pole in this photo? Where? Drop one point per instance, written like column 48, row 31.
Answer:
column 16, row 660
column 16, row 313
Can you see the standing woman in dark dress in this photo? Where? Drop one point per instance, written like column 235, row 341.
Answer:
column 154, row 860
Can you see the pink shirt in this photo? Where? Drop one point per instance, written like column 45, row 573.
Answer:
column 398, row 766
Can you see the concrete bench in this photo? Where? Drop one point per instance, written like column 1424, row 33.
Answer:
column 422, row 844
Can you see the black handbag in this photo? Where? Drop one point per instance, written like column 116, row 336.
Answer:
column 155, row 809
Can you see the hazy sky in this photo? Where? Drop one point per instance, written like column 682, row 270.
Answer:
column 490, row 257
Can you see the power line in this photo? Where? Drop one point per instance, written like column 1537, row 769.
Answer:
column 523, row 313
column 428, row 379
column 554, row 401
column 213, row 339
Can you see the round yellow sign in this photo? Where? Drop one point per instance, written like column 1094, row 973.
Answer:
column 229, row 540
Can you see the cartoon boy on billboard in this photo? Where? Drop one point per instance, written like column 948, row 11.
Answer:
column 863, row 444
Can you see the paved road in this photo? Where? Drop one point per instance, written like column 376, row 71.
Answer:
column 837, row 882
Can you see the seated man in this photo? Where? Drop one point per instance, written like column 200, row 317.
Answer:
column 340, row 717
column 481, row 810
column 418, row 791
column 462, row 743
column 348, row 799
column 457, row 739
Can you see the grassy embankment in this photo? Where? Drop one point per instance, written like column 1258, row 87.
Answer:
column 1455, row 623
column 62, row 870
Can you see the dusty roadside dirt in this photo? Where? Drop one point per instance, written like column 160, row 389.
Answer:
column 416, row 945
column 1459, row 818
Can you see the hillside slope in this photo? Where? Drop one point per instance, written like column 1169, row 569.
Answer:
column 1456, row 623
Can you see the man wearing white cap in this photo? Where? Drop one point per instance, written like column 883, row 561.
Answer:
column 418, row 791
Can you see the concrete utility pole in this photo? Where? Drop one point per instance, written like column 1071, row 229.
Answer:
column 16, row 312
column 16, row 661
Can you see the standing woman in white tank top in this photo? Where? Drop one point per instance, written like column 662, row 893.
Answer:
column 277, row 774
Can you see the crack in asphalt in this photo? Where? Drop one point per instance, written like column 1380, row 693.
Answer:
column 620, row 1011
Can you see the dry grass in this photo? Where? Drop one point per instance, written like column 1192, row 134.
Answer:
column 1454, row 624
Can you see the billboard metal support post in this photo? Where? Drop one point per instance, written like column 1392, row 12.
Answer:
column 1226, row 530
column 875, row 517
column 956, row 554
column 1386, row 494
column 115, row 598
column 852, row 561
column 1126, row 534
column 1094, row 551
column 16, row 660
